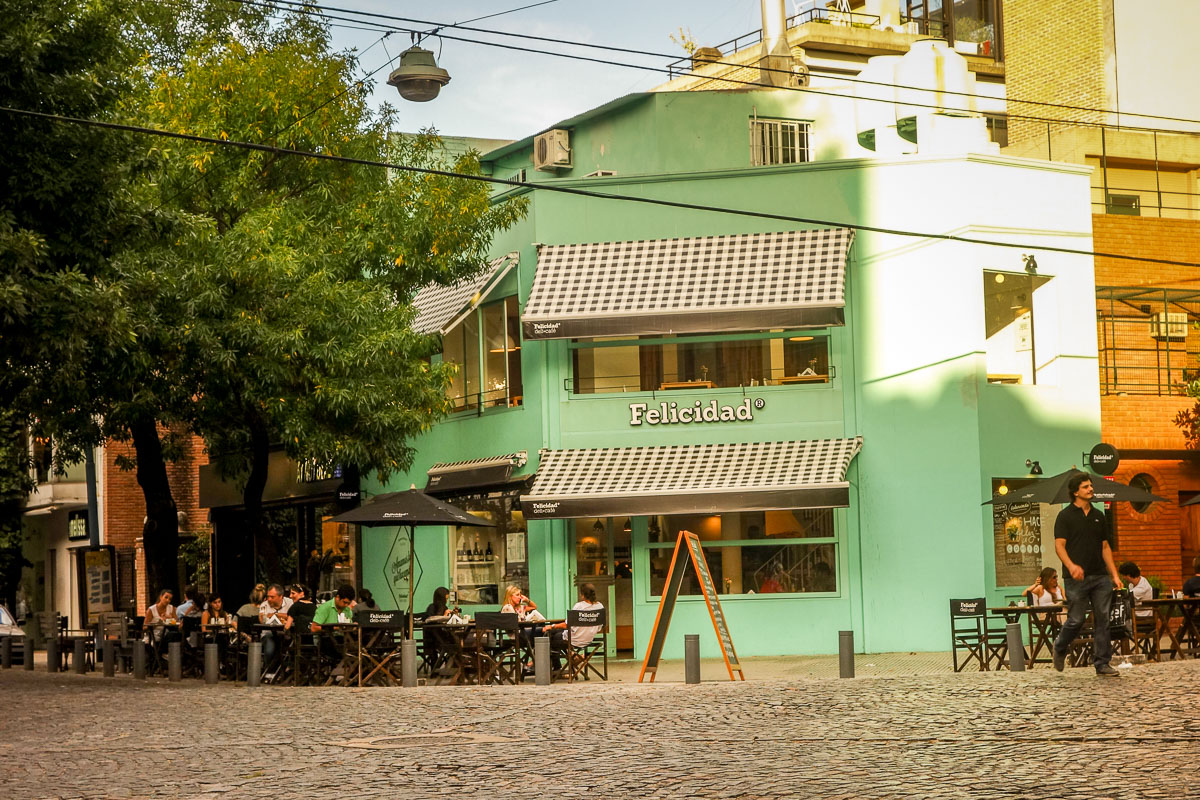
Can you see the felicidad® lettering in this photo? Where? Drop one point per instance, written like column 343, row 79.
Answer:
column 676, row 414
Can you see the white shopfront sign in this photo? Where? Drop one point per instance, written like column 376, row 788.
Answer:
column 672, row 413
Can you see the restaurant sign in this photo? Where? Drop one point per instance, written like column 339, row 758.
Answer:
column 673, row 413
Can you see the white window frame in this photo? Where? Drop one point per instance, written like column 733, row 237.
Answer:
column 779, row 141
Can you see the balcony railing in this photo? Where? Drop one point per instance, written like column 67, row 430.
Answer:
column 1149, row 343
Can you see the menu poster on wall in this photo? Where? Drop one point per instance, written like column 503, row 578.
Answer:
column 515, row 547
column 1023, row 537
column 98, row 568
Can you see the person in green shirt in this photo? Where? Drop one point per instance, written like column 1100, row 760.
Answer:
column 335, row 610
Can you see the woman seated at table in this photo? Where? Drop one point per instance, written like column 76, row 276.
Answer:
column 1046, row 591
column 515, row 602
column 216, row 615
column 159, row 615
column 579, row 636
column 437, row 643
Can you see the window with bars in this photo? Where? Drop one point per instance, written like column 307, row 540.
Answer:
column 779, row 141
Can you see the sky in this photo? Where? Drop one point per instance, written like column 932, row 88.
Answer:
column 505, row 94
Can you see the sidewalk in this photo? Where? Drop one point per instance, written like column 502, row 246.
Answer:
column 873, row 665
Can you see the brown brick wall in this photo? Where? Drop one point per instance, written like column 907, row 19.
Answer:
column 1173, row 239
column 125, row 508
column 1054, row 51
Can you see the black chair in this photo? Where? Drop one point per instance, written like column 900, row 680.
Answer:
column 579, row 659
column 969, row 632
column 498, row 647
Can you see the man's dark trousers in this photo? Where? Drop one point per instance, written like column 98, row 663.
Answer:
column 1093, row 592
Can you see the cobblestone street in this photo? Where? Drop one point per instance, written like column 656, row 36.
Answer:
column 976, row 735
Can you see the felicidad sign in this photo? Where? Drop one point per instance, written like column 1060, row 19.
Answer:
column 672, row 413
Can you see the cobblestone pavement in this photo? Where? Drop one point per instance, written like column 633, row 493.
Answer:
column 1037, row 734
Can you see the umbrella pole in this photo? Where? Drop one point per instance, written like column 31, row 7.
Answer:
column 411, row 574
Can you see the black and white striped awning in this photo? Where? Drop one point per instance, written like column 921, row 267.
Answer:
column 753, row 281
column 476, row 474
column 440, row 308
column 691, row 479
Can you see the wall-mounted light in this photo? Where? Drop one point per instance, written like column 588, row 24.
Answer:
column 1003, row 490
column 1034, row 467
column 800, row 338
column 1030, row 263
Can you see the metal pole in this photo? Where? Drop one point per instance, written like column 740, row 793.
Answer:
column 691, row 658
column 212, row 663
column 175, row 661
column 846, row 654
column 541, row 660
column 1016, row 649
column 6, row 652
column 110, row 658
column 27, row 652
column 139, row 660
column 254, row 664
column 79, row 657
column 52, row 655
column 408, row 663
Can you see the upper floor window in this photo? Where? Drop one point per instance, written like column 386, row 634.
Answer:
column 699, row 362
column 1019, row 328
column 486, row 346
column 779, row 141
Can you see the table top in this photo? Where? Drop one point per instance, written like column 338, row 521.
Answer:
column 687, row 385
column 1167, row 601
column 1026, row 609
column 785, row 379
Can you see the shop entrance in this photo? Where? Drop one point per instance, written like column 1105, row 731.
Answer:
column 603, row 558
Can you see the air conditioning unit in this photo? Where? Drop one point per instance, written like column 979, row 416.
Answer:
column 552, row 150
column 1169, row 326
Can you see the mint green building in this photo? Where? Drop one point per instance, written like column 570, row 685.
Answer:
column 822, row 397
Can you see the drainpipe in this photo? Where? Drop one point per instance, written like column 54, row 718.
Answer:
column 775, row 66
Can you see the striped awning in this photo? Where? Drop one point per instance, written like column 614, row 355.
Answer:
column 475, row 474
column 691, row 479
column 754, row 281
column 440, row 308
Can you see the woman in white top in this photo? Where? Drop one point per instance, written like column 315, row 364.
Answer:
column 159, row 613
column 515, row 602
column 1045, row 590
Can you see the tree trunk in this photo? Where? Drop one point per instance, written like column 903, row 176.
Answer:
column 252, row 498
column 160, row 534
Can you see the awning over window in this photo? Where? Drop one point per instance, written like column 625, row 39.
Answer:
column 440, row 308
column 754, row 281
column 690, row 479
column 477, row 474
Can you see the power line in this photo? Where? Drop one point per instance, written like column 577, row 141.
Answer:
column 546, row 187
column 608, row 62
column 323, row 9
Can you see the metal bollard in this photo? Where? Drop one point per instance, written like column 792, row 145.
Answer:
column 254, row 664
column 691, row 658
column 846, row 654
column 27, row 652
column 212, row 663
column 6, row 652
column 1016, row 649
column 541, row 660
column 52, row 655
column 79, row 657
column 139, row 660
column 109, row 650
column 175, row 661
column 408, row 662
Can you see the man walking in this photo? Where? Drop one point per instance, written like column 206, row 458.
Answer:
column 1081, row 541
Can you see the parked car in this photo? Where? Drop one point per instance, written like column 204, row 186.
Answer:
column 8, row 625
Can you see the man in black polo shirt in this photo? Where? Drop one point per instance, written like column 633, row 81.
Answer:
column 1081, row 541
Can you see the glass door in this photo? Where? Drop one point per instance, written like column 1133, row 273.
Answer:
column 603, row 558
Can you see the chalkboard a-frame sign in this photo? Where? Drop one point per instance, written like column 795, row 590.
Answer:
column 666, row 605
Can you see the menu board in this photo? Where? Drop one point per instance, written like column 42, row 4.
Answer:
column 1023, row 539
column 666, row 605
column 98, row 569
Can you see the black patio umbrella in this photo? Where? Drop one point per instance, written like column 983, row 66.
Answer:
column 1054, row 490
column 410, row 509
column 1191, row 502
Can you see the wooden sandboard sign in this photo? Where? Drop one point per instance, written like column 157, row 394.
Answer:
column 670, row 592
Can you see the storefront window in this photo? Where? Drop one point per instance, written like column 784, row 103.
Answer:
column 486, row 560
column 655, row 364
column 752, row 553
column 486, row 346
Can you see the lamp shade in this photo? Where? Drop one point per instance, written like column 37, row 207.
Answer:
column 418, row 78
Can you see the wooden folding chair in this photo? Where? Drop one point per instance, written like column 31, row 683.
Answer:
column 579, row 659
column 968, row 631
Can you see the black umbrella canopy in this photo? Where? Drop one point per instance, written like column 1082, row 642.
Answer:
column 1054, row 490
column 411, row 507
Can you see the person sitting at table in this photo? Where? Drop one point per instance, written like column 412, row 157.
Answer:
column 302, row 609
column 1139, row 587
column 215, row 614
column 337, row 610
column 251, row 607
column 579, row 636
column 1191, row 587
column 437, row 643
column 273, row 612
column 160, row 614
column 515, row 602
column 193, row 606
column 366, row 601
column 1047, row 591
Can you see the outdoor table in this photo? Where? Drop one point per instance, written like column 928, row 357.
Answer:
column 171, row 632
column 1183, row 639
column 1040, row 622
column 380, row 636
column 345, row 637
